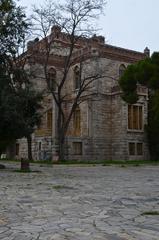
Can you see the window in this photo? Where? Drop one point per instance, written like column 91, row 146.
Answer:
column 49, row 119
column 121, row 70
column 139, row 149
column 132, row 149
column 77, row 121
column 39, row 146
column 77, row 148
column 77, row 77
column 17, row 149
column 135, row 148
column 135, row 117
column 52, row 79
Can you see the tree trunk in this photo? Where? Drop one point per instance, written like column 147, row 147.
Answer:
column 29, row 141
column 61, row 136
column 61, row 148
column 61, row 141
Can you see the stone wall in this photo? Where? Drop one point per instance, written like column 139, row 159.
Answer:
column 104, row 131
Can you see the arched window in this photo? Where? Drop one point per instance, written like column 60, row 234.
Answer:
column 52, row 79
column 77, row 121
column 121, row 70
column 77, row 77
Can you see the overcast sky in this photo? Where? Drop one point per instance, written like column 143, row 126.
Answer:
column 132, row 24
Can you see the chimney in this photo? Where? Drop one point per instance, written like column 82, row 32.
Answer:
column 56, row 30
column 99, row 39
column 147, row 52
column 30, row 45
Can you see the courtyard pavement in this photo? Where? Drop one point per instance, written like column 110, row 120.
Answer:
column 79, row 203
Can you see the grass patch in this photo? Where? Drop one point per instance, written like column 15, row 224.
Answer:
column 76, row 162
column 123, row 166
column 135, row 163
column 26, row 171
column 30, row 161
column 42, row 162
column 153, row 213
column 58, row 187
column 122, row 163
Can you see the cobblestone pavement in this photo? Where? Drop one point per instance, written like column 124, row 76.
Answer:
column 79, row 203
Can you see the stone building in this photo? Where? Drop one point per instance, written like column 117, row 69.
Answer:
column 103, row 126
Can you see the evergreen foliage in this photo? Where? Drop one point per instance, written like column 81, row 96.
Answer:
column 146, row 73
column 19, row 102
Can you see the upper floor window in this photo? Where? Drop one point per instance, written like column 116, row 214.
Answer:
column 135, row 117
column 77, row 121
column 122, row 69
column 52, row 78
column 77, row 77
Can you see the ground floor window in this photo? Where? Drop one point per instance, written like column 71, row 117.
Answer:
column 77, row 148
column 49, row 119
column 139, row 148
column 39, row 146
column 17, row 149
column 135, row 148
column 77, row 121
column 131, row 148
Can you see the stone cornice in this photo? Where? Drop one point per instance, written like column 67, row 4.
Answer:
column 121, row 54
column 83, row 48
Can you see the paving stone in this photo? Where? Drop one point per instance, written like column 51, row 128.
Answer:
column 79, row 203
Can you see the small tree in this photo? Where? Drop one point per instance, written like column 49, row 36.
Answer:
column 75, row 19
column 146, row 73
column 29, row 106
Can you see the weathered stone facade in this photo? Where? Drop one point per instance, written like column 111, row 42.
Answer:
column 104, row 133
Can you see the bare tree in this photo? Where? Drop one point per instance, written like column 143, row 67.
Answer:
column 76, row 21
